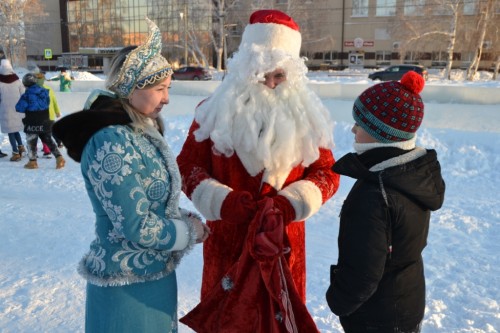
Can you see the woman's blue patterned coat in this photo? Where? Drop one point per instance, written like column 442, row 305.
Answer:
column 133, row 183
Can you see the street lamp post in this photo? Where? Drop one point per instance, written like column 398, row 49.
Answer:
column 184, row 19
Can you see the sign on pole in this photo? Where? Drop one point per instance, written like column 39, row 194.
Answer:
column 48, row 53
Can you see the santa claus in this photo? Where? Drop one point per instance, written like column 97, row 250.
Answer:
column 262, row 133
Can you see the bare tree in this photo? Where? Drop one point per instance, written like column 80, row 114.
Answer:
column 495, row 42
column 434, row 22
column 231, row 16
column 221, row 10
column 14, row 15
column 494, row 36
column 486, row 19
column 314, row 26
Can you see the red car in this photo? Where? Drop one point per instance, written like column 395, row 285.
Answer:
column 192, row 73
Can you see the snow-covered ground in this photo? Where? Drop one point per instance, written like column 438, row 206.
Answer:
column 46, row 222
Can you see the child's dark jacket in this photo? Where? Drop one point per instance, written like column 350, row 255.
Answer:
column 387, row 208
column 34, row 103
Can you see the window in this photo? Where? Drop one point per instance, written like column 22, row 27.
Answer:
column 386, row 8
column 443, row 9
column 411, row 57
column 359, row 8
column 470, row 7
column 414, row 7
column 383, row 58
column 439, row 56
column 318, row 56
column 334, row 55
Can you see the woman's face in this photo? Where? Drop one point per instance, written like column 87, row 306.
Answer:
column 361, row 136
column 150, row 101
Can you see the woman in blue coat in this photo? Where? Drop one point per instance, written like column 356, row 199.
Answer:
column 134, row 186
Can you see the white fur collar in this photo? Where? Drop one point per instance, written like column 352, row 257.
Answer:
column 360, row 148
column 399, row 160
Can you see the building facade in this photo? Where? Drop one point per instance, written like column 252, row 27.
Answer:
column 335, row 34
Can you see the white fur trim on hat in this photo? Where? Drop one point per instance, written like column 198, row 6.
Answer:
column 305, row 198
column 208, row 196
column 6, row 67
column 272, row 36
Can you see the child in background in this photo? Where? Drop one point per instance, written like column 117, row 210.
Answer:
column 64, row 80
column 53, row 111
column 34, row 103
column 378, row 284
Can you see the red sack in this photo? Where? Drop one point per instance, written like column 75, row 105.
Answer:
column 257, row 294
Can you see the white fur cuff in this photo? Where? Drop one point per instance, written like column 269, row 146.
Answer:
column 305, row 197
column 208, row 196
column 182, row 235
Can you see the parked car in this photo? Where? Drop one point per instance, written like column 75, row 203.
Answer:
column 397, row 71
column 192, row 73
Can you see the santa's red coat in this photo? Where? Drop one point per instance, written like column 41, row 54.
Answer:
column 258, row 293
column 201, row 166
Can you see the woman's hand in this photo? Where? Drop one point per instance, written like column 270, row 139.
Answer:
column 202, row 231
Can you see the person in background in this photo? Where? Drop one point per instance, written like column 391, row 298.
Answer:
column 378, row 284
column 263, row 134
column 34, row 103
column 64, row 79
column 134, row 186
column 54, row 111
column 11, row 122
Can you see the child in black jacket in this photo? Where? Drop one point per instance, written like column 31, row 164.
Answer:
column 34, row 103
column 378, row 284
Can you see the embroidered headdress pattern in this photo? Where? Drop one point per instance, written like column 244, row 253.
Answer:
column 143, row 66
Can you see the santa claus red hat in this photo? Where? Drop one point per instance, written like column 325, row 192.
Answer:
column 273, row 29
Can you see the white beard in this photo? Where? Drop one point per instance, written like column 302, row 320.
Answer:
column 269, row 129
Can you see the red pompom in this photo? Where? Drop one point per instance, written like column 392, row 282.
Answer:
column 413, row 81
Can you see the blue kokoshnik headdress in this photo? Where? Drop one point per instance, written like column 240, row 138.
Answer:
column 143, row 66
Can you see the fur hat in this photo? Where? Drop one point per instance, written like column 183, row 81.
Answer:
column 6, row 67
column 272, row 29
column 271, row 40
column 391, row 111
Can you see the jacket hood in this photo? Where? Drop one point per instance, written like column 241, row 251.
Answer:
column 416, row 174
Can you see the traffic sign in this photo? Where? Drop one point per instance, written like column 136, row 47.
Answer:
column 48, row 53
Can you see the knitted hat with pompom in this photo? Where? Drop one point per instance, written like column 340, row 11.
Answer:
column 391, row 111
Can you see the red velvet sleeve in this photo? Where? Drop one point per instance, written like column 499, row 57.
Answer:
column 321, row 174
column 194, row 161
